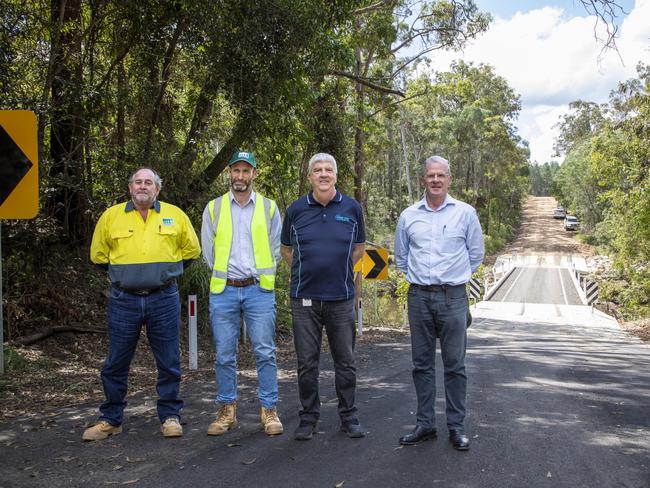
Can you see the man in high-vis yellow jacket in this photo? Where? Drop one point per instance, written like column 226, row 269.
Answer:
column 144, row 244
column 240, row 241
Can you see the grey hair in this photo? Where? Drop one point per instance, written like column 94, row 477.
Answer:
column 156, row 179
column 328, row 158
column 436, row 159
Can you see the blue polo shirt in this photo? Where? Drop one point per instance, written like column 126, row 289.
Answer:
column 322, row 238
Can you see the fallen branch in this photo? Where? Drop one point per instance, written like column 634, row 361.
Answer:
column 48, row 331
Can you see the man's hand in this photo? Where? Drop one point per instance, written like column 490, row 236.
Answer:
column 287, row 254
column 357, row 252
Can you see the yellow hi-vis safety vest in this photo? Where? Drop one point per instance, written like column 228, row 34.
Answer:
column 260, row 231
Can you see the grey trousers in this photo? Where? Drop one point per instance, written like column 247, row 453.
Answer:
column 439, row 314
column 308, row 322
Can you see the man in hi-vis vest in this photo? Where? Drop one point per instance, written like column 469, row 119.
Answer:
column 240, row 240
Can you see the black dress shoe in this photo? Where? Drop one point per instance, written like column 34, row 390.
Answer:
column 418, row 434
column 459, row 440
column 352, row 428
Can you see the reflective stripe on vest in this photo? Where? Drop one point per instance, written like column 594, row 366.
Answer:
column 260, row 231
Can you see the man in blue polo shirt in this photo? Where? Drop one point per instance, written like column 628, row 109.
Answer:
column 322, row 237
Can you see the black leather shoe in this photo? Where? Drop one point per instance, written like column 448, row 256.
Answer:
column 304, row 431
column 459, row 440
column 418, row 434
column 352, row 428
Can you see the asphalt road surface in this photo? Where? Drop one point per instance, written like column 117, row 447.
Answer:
column 538, row 285
column 549, row 405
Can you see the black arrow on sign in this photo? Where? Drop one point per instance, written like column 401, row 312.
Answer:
column 379, row 265
column 14, row 165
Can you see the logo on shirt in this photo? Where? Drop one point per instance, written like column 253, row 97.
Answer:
column 167, row 221
column 342, row 218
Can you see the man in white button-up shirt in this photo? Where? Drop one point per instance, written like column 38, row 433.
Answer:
column 438, row 245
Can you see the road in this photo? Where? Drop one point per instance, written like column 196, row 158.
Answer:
column 538, row 285
column 550, row 405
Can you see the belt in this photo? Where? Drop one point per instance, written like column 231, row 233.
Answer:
column 241, row 283
column 147, row 291
column 435, row 288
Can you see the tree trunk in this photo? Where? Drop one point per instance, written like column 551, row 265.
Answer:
column 391, row 172
column 359, row 138
column 245, row 127
column 407, row 166
column 67, row 201
column 162, row 85
column 302, row 179
column 120, row 122
column 202, row 112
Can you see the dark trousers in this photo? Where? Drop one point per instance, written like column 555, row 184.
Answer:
column 127, row 314
column 308, row 322
column 439, row 314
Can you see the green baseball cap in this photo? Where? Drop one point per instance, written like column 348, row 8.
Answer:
column 247, row 157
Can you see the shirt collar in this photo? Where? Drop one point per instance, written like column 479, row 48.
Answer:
column 250, row 199
column 312, row 201
column 131, row 206
column 449, row 200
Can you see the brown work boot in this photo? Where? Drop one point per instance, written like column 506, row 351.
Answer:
column 226, row 420
column 101, row 430
column 171, row 427
column 271, row 421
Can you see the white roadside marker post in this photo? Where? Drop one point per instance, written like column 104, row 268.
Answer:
column 192, row 332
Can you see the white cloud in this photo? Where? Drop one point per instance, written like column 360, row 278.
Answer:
column 551, row 60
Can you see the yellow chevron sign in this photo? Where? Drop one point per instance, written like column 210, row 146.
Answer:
column 374, row 264
column 18, row 164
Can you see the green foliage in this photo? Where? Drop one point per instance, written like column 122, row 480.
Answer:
column 14, row 361
column 466, row 115
column 605, row 180
column 540, row 178
column 576, row 185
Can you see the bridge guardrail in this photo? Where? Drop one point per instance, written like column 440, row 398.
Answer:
column 585, row 283
column 502, row 268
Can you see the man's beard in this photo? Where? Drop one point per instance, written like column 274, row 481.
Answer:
column 240, row 187
column 143, row 198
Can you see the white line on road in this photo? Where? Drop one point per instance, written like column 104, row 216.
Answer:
column 521, row 270
column 559, row 272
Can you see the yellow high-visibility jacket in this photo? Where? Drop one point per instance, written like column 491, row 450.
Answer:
column 143, row 254
column 265, row 263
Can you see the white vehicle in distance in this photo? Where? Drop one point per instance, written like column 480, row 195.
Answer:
column 559, row 213
column 571, row 223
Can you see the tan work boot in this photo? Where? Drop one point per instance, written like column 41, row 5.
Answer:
column 271, row 421
column 101, row 430
column 226, row 420
column 171, row 427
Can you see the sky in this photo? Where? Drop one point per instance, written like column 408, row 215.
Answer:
column 547, row 52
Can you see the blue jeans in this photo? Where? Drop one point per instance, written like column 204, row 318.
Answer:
column 258, row 309
column 432, row 315
column 127, row 313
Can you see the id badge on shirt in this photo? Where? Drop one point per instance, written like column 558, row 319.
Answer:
column 306, row 302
